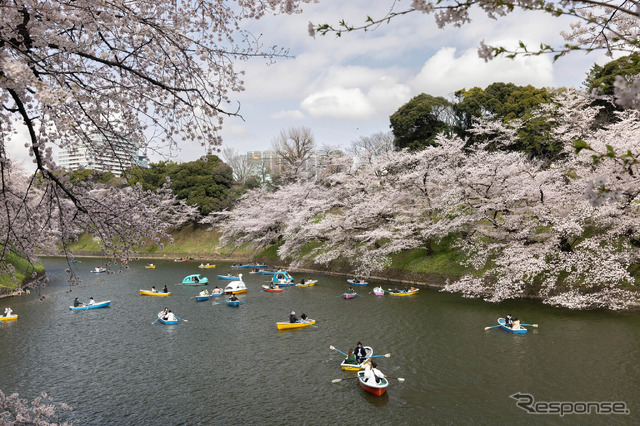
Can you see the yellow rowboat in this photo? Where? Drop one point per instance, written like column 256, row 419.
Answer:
column 9, row 318
column 309, row 283
column 150, row 266
column 292, row 325
column 404, row 293
column 150, row 293
column 356, row 367
column 207, row 266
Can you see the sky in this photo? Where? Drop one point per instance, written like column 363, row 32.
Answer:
column 344, row 88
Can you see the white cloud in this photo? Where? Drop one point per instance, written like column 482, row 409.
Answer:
column 235, row 130
column 338, row 102
column 294, row 114
column 444, row 73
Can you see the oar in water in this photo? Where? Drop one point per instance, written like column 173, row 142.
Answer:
column 493, row 326
column 307, row 322
column 181, row 319
column 337, row 350
column 378, row 356
column 531, row 325
column 155, row 320
column 399, row 379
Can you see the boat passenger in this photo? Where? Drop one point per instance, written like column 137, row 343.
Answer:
column 293, row 318
column 170, row 316
column 351, row 358
column 303, row 317
column 153, row 289
column 508, row 321
column 350, row 291
column 77, row 303
column 361, row 353
column 233, row 298
column 7, row 312
column 516, row 324
column 216, row 290
column 196, row 279
column 302, row 281
column 372, row 373
column 163, row 313
column 91, row 301
column 406, row 289
column 165, row 289
column 204, row 292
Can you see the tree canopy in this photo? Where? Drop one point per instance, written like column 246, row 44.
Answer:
column 417, row 123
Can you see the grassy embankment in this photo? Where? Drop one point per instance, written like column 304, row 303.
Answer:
column 23, row 272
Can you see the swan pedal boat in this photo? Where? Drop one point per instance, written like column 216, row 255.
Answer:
column 9, row 318
column 503, row 325
column 372, row 387
column 309, row 283
column 236, row 287
column 357, row 282
column 291, row 325
column 404, row 293
column 357, row 367
column 271, row 290
column 151, row 293
column 96, row 305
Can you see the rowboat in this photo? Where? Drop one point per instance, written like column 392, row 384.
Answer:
column 403, row 292
column 151, row 293
column 271, row 290
column 203, row 298
column 195, row 279
column 356, row 367
column 292, row 325
column 233, row 303
column 97, row 305
column 349, row 295
column 9, row 318
column 150, row 266
column 503, row 325
column 378, row 291
column 207, row 266
column 216, row 292
column 227, row 277
column 247, row 266
column 236, row 287
column 99, row 270
column 371, row 386
column 309, row 283
column 357, row 282
column 180, row 260
column 167, row 322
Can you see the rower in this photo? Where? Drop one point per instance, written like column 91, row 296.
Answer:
column 372, row 373
column 361, row 353
column 170, row 316
column 508, row 321
column 7, row 311
column 292, row 317
column 77, row 303
column 153, row 289
column 165, row 289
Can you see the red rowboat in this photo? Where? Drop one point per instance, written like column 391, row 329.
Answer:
column 271, row 290
column 372, row 387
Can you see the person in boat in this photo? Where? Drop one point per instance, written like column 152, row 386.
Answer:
column 170, row 316
column 372, row 373
column 163, row 313
column 153, row 289
column 515, row 325
column 302, row 281
column 351, row 358
column 395, row 290
column 165, row 289
column 406, row 289
column 7, row 312
column 216, row 290
column 77, row 303
column 508, row 321
column 196, row 279
column 233, row 298
column 303, row 317
column 360, row 352
column 91, row 301
column 292, row 317
column 350, row 291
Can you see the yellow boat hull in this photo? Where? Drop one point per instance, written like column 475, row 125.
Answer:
column 291, row 326
column 150, row 267
column 236, row 291
column 207, row 266
column 409, row 293
column 150, row 293
column 9, row 318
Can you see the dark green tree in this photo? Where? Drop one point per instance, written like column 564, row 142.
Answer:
column 416, row 124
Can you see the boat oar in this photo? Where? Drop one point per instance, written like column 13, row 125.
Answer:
column 307, row 322
column 493, row 326
column 400, row 379
column 531, row 325
column 181, row 319
column 378, row 356
column 155, row 320
column 341, row 295
column 337, row 350
column 346, row 378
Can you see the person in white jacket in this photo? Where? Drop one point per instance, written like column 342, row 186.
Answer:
column 372, row 374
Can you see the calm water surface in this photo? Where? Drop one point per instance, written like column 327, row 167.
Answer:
column 231, row 366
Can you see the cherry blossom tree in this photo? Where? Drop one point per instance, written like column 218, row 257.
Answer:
column 97, row 74
column 566, row 232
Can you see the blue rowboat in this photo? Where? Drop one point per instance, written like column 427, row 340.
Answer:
column 174, row 322
column 104, row 304
column 203, row 298
column 227, row 277
column 195, row 279
column 503, row 325
column 357, row 282
column 233, row 303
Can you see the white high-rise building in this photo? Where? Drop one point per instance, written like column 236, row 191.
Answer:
column 114, row 157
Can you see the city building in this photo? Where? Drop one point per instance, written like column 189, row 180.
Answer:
column 265, row 163
column 114, row 157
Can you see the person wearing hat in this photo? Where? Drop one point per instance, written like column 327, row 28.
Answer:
column 293, row 318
